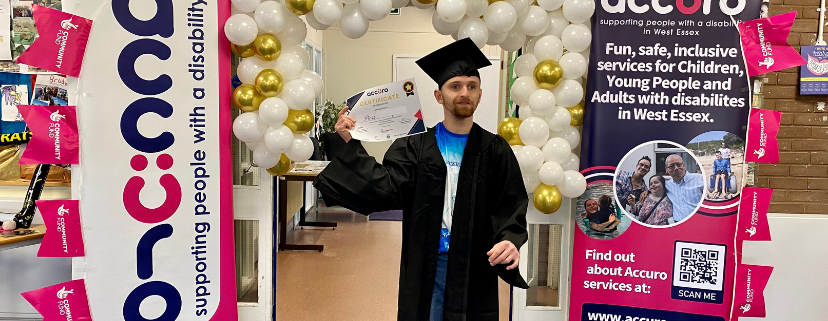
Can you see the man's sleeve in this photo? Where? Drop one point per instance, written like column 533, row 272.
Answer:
column 509, row 199
column 356, row 181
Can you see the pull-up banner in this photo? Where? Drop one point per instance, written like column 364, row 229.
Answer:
column 663, row 152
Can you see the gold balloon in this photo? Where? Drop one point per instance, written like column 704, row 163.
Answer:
column 243, row 51
column 547, row 198
column 282, row 167
column 299, row 121
column 267, row 46
column 246, row 98
column 577, row 114
column 508, row 129
column 269, row 83
column 426, row 1
column 299, row 7
column 493, row 1
column 548, row 74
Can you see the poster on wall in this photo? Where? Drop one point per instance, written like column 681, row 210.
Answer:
column 156, row 188
column 663, row 152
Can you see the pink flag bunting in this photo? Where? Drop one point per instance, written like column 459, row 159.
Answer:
column 54, row 135
column 63, row 229
column 762, row 145
column 61, row 44
column 753, row 214
column 749, row 299
column 61, row 302
column 765, row 44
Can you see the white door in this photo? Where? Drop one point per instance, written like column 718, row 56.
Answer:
column 545, row 264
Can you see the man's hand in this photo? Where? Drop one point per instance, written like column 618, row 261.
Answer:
column 503, row 253
column 631, row 199
column 344, row 125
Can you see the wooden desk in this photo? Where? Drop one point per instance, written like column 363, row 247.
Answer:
column 295, row 176
column 8, row 243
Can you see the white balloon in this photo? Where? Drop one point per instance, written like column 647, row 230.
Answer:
column 530, row 159
column 248, row 127
column 270, row 16
column 557, row 23
column 535, row 21
column 531, row 181
column 442, row 27
column 314, row 80
column 278, row 139
column 558, row 119
column 301, row 150
column 251, row 146
column 542, row 102
column 522, row 88
column 315, row 24
column 327, row 11
column 572, row 163
column 476, row 8
column 578, row 11
column 241, row 29
column 585, row 53
column 551, row 173
column 347, row 2
column 289, row 66
column 294, row 32
column 298, row 94
column 521, row 6
column 500, row 17
column 533, row 132
column 375, row 9
column 556, row 150
column 273, row 111
column 245, row 6
column 568, row 93
column 573, row 184
column 495, row 38
column 249, row 68
column 576, row 37
column 550, row 5
column 399, row 3
column 525, row 65
column 514, row 40
column 264, row 158
column 570, row 134
column 549, row 47
column 421, row 5
column 451, row 10
column 354, row 23
column 454, row 34
column 475, row 29
column 516, row 148
column 573, row 64
column 525, row 113
column 299, row 51
column 529, row 47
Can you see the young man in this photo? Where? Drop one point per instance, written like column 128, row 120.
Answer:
column 461, row 192
column 721, row 169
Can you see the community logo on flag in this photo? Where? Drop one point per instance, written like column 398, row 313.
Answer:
column 762, row 145
column 61, row 302
column 64, row 236
column 753, row 214
column 61, row 44
column 765, row 44
column 54, row 135
column 749, row 299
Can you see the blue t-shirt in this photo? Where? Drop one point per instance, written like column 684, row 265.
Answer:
column 721, row 165
column 451, row 147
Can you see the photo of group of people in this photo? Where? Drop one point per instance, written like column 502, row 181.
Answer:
column 50, row 96
column 598, row 214
column 722, row 156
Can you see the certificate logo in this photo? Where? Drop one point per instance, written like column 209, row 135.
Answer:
column 408, row 88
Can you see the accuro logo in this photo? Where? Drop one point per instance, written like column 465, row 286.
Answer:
column 705, row 5
column 377, row 92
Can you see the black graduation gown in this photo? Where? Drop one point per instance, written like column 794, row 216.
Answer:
column 490, row 207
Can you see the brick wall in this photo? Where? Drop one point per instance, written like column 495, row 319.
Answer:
column 800, row 180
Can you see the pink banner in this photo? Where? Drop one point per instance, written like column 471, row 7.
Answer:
column 54, row 135
column 62, row 42
column 762, row 145
column 749, row 299
column 753, row 214
column 61, row 302
column 765, row 44
column 63, row 229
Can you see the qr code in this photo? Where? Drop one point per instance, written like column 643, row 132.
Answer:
column 699, row 266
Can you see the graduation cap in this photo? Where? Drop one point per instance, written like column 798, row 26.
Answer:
column 460, row 58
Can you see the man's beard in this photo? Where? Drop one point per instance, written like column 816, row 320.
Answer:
column 463, row 112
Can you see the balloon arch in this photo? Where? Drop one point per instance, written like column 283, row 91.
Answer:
column 277, row 91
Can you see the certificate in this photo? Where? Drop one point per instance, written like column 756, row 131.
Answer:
column 386, row 112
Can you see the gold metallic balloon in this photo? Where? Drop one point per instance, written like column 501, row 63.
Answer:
column 547, row 198
column 426, row 1
column 493, row 1
column 267, row 46
column 577, row 114
column 282, row 167
column 548, row 74
column 508, row 129
column 243, row 51
column 299, row 7
column 269, row 83
column 246, row 98
column 299, row 121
